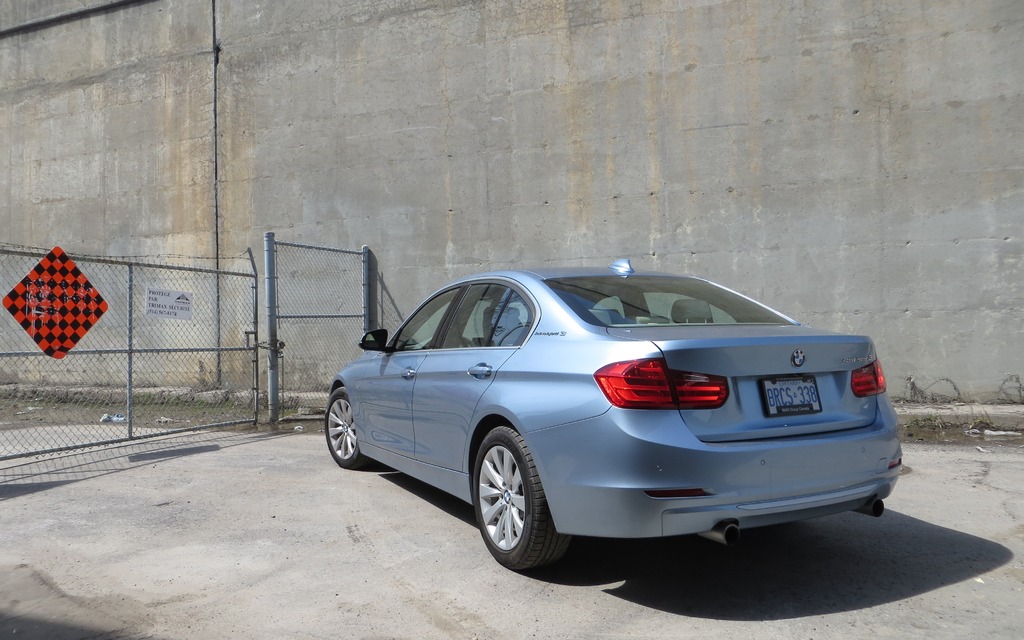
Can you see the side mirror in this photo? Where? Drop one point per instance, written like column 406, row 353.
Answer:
column 375, row 340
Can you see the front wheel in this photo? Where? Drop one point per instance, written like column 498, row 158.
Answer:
column 511, row 509
column 342, row 435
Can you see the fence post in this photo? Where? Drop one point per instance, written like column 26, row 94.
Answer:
column 273, row 375
column 129, row 404
column 255, row 338
column 367, row 297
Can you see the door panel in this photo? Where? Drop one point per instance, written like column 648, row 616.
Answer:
column 449, row 385
column 385, row 391
column 490, row 321
column 385, row 401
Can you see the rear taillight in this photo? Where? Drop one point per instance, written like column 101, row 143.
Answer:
column 650, row 384
column 700, row 390
column 638, row 384
column 868, row 381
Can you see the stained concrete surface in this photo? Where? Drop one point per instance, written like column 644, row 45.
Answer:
column 259, row 535
column 856, row 164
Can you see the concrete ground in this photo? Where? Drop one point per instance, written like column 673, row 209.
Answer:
column 260, row 535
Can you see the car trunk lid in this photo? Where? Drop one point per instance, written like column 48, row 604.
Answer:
column 784, row 380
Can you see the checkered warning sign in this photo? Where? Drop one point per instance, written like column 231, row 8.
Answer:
column 55, row 304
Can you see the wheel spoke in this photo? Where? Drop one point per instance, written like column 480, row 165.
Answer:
column 488, row 493
column 509, row 470
column 519, row 502
column 492, row 474
column 496, row 533
column 492, row 513
column 508, row 530
column 516, row 517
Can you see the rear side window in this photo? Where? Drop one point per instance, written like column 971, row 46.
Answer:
column 513, row 323
column 489, row 315
column 613, row 301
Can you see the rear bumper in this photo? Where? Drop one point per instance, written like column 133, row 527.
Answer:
column 696, row 519
column 596, row 474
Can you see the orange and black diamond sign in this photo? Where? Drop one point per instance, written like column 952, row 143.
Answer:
column 55, row 304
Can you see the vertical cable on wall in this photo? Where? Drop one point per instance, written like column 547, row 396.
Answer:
column 215, row 45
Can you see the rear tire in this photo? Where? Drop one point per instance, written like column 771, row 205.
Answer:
column 511, row 509
column 341, row 432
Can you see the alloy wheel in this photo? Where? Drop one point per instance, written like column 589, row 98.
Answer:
column 340, row 431
column 502, row 501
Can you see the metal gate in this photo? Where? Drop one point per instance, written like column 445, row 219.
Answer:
column 319, row 304
column 175, row 350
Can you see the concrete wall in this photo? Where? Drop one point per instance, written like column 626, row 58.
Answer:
column 856, row 164
column 106, row 127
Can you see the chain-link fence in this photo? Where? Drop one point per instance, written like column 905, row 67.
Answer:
column 174, row 350
column 318, row 307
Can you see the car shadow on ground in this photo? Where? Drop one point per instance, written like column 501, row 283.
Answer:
column 444, row 501
column 32, row 628
column 844, row 562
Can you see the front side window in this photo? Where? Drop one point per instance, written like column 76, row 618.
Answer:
column 420, row 330
column 612, row 301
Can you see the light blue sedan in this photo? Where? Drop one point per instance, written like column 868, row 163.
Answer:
column 606, row 402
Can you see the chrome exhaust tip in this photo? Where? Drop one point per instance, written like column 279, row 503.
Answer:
column 873, row 507
column 726, row 532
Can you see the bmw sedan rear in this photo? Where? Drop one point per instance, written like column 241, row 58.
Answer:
column 618, row 404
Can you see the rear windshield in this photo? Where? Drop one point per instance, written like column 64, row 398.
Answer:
column 612, row 301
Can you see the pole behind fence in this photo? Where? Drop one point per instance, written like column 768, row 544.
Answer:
column 273, row 374
column 367, row 303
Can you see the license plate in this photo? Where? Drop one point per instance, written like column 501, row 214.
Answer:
column 790, row 396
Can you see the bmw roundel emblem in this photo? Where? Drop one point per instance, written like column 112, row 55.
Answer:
column 798, row 358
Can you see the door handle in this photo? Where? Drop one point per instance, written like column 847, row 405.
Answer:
column 409, row 374
column 480, row 371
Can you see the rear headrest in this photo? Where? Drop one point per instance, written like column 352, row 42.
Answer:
column 690, row 311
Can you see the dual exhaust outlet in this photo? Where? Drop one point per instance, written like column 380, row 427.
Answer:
column 727, row 532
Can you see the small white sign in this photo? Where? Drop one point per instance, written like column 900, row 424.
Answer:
column 164, row 303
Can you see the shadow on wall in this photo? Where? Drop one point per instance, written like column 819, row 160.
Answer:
column 388, row 315
column 384, row 311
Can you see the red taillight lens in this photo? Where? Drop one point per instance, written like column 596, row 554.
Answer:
column 650, row 384
column 868, row 381
column 638, row 384
column 700, row 390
